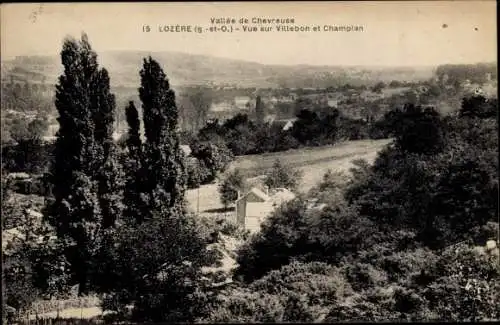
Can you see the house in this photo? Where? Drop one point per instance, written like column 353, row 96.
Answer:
column 489, row 89
column 333, row 103
column 371, row 96
column 256, row 205
column 285, row 124
column 270, row 118
column 186, row 149
column 287, row 99
column 242, row 102
column 221, row 115
column 221, row 107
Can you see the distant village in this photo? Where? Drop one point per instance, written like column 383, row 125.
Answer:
column 282, row 104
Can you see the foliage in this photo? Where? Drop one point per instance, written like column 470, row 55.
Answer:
column 352, row 129
column 30, row 155
column 196, row 171
column 21, row 129
column 314, row 126
column 465, row 286
column 297, row 231
column 306, row 128
column 295, row 293
column 231, row 186
column 223, row 225
column 452, row 73
column 443, row 195
column 377, row 88
column 165, row 173
column 27, row 97
column 479, row 106
column 194, row 106
column 283, row 176
column 35, row 267
column 418, row 129
column 259, row 110
column 156, row 267
column 20, row 292
column 84, row 176
column 134, row 167
column 213, row 159
column 4, row 197
column 282, row 236
column 330, row 187
column 384, row 238
column 154, row 263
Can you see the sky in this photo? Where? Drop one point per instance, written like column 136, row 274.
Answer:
column 404, row 33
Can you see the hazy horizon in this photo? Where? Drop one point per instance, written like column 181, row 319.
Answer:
column 146, row 53
column 396, row 34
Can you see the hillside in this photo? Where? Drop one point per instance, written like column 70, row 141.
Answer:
column 191, row 69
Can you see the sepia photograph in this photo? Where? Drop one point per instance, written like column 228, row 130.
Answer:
column 249, row 162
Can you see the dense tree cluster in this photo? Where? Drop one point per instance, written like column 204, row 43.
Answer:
column 244, row 137
column 476, row 73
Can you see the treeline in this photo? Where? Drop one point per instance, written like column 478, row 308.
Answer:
column 244, row 137
column 476, row 73
column 27, row 97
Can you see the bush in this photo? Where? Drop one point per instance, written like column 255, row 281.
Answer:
column 442, row 197
column 282, row 236
column 28, row 155
column 330, row 188
column 233, row 184
column 465, row 285
column 223, row 225
column 283, row 176
column 197, row 172
column 295, row 293
column 295, row 231
column 479, row 106
column 419, row 130
column 213, row 159
column 242, row 305
column 156, row 267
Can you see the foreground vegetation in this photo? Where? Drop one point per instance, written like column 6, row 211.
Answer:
column 411, row 237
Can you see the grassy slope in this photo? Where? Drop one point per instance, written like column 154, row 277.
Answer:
column 314, row 162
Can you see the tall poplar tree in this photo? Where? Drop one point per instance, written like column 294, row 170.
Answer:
column 165, row 175
column 135, row 207
column 108, row 171
column 84, row 175
column 259, row 110
column 157, row 262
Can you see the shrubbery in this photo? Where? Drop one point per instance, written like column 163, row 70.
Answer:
column 231, row 186
column 206, row 162
column 390, row 239
column 281, row 175
column 295, row 293
column 156, row 268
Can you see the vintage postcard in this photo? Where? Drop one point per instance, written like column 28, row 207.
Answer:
column 249, row 162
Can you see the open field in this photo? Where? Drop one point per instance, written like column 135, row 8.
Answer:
column 314, row 162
